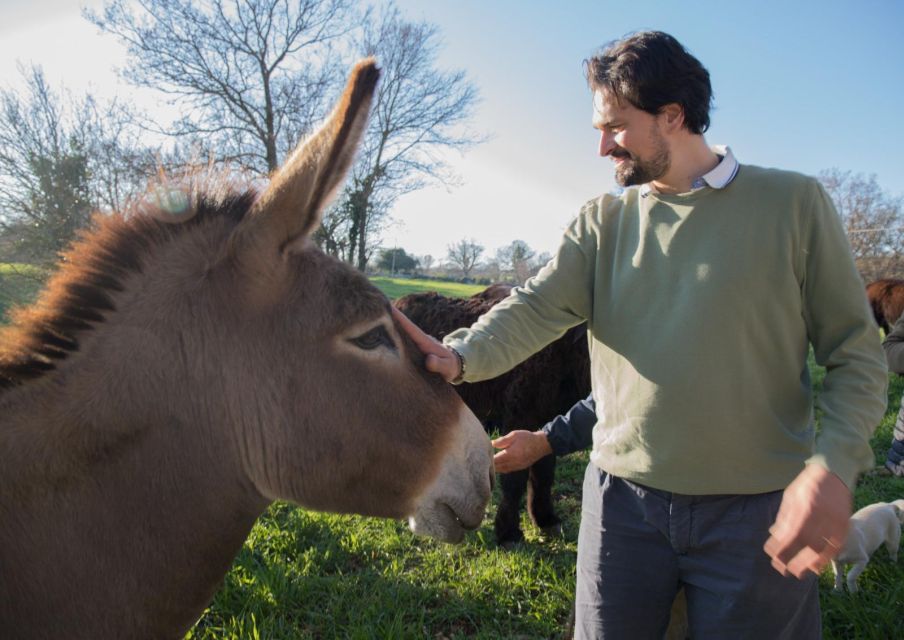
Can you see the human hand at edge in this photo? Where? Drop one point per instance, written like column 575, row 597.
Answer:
column 812, row 523
column 439, row 358
column 519, row 450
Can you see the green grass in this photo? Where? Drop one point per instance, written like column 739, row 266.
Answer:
column 398, row 287
column 20, row 283
column 306, row 575
column 311, row 575
column 876, row 611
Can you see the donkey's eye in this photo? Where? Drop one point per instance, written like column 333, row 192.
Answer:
column 373, row 339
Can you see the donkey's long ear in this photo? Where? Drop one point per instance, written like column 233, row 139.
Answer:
column 290, row 207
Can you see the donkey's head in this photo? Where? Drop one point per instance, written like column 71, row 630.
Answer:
column 330, row 403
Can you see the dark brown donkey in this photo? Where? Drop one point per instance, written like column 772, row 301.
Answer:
column 527, row 397
column 189, row 364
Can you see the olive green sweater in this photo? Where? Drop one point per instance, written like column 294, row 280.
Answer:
column 701, row 309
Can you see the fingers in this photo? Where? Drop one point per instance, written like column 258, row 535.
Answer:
column 806, row 560
column 511, row 459
column 520, row 449
column 781, row 548
column 503, row 462
column 504, row 441
column 513, row 456
column 446, row 365
column 794, row 546
column 801, row 553
column 426, row 343
column 439, row 358
column 811, row 525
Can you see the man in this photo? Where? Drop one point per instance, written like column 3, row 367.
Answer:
column 703, row 285
column 894, row 354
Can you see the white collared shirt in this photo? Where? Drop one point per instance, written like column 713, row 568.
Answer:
column 718, row 178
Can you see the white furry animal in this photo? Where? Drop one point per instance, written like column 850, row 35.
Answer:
column 870, row 527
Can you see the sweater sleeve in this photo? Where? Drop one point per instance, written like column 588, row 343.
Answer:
column 845, row 341
column 894, row 347
column 574, row 430
column 556, row 299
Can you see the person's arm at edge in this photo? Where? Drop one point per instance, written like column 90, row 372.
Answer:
column 564, row 434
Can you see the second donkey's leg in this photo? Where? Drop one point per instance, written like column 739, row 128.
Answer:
column 508, row 514
column 539, row 495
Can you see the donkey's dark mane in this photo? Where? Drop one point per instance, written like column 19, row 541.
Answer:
column 79, row 295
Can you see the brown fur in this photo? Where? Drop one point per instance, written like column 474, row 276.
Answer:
column 886, row 298
column 174, row 379
column 91, row 272
column 527, row 397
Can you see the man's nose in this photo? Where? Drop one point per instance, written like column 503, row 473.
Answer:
column 607, row 143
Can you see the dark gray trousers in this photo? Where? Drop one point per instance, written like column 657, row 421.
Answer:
column 638, row 546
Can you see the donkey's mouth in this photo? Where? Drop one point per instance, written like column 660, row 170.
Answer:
column 466, row 523
column 442, row 522
column 457, row 499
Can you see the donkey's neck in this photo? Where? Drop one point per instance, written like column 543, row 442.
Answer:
column 147, row 530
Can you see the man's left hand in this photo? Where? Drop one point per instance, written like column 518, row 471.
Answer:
column 812, row 523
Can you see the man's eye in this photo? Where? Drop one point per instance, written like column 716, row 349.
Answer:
column 376, row 337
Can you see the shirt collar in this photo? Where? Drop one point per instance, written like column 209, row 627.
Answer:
column 717, row 178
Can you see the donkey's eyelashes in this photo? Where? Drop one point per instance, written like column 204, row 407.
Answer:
column 373, row 339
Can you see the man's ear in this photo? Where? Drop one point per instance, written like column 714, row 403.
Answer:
column 672, row 117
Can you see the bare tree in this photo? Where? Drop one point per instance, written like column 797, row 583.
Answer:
column 465, row 254
column 873, row 220
column 426, row 262
column 517, row 258
column 418, row 112
column 60, row 159
column 491, row 270
column 120, row 160
column 252, row 75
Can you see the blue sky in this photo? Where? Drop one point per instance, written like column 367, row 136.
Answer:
column 801, row 85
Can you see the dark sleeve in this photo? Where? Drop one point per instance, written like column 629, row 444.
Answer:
column 894, row 347
column 574, row 430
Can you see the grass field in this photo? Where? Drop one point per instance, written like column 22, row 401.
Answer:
column 311, row 575
column 398, row 287
column 19, row 283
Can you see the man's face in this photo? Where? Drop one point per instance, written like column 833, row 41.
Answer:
column 632, row 139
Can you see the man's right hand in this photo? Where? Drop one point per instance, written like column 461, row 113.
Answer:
column 439, row 358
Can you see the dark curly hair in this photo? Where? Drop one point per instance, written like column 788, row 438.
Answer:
column 651, row 69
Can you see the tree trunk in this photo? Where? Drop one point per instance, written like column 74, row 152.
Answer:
column 359, row 202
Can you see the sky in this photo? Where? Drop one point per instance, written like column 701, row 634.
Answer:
column 799, row 84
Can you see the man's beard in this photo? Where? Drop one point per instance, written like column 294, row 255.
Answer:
column 636, row 171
